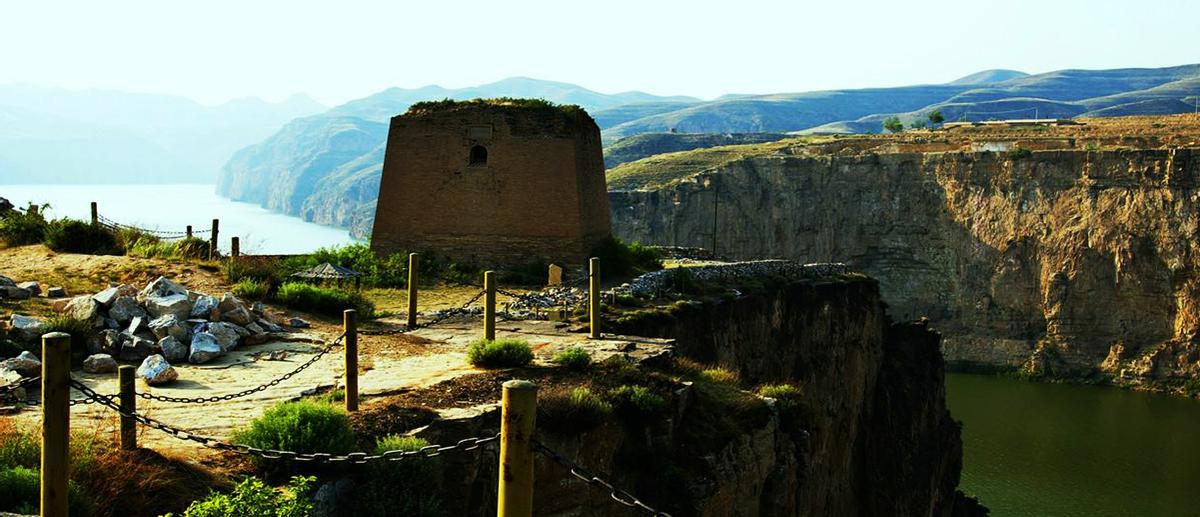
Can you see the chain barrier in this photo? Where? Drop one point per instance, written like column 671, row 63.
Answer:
column 617, row 494
column 467, row 444
column 250, row 391
column 115, row 226
column 8, row 392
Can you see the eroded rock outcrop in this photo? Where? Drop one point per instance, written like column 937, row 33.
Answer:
column 1044, row 261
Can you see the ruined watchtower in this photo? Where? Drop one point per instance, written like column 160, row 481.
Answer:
column 494, row 182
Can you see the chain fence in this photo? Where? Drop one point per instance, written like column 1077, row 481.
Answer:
column 619, row 495
column 467, row 444
column 167, row 235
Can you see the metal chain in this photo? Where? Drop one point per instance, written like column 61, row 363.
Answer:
column 261, row 387
column 467, row 444
column 113, row 225
column 617, row 494
column 8, row 392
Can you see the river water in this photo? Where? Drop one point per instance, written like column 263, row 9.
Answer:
column 173, row 207
column 1033, row 449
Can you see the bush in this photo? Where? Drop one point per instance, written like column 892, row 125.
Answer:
column 636, row 402
column 574, row 358
column 299, row 426
column 620, row 260
column 266, row 270
column 786, row 394
column 400, row 488
column 1018, row 153
column 251, row 288
column 253, row 498
column 719, row 375
column 80, row 330
column 73, row 236
column 18, row 448
column 19, row 493
column 18, row 228
column 576, row 410
column 501, row 353
column 323, row 300
column 893, row 124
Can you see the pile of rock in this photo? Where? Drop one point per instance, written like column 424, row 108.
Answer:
column 19, row 291
column 160, row 324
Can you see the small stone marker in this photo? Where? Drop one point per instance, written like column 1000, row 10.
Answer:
column 556, row 272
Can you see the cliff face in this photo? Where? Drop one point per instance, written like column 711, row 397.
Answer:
column 1061, row 262
column 873, row 436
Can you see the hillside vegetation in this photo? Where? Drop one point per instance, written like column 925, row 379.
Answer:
column 649, row 144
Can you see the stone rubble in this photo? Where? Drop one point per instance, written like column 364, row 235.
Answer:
column 99, row 363
column 56, row 292
column 156, row 370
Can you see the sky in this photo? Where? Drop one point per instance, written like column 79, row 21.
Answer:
column 216, row 50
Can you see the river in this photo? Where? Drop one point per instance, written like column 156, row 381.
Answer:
column 173, row 207
column 1057, row 450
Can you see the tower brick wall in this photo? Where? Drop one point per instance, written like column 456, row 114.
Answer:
column 493, row 184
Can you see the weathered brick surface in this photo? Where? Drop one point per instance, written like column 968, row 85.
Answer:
column 541, row 194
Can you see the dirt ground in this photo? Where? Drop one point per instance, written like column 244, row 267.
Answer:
column 390, row 363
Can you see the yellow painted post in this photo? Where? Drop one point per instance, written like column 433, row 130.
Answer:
column 414, row 266
column 517, row 421
column 235, row 247
column 594, row 297
column 56, row 422
column 489, row 305
column 125, row 381
column 95, row 214
column 212, row 244
column 350, row 325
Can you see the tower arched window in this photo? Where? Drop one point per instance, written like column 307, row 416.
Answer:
column 478, row 155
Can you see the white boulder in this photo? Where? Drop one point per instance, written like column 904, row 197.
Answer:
column 157, row 370
column 204, row 348
column 28, row 328
column 99, row 363
column 173, row 350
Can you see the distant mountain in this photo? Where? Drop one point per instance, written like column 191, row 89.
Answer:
column 52, row 135
column 989, row 77
column 323, row 168
column 648, row 144
column 334, row 185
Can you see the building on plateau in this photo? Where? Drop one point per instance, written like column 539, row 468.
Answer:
column 493, row 182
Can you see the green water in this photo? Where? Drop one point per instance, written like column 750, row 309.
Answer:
column 1067, row 450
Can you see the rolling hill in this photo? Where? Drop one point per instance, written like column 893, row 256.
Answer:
column 332, row 184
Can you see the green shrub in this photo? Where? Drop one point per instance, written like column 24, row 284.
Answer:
column 150, row 247
column 80, row 330
column 501, row 353
column 251, row 288
column 299, row 426
column 253, row 498
column 1018, row 153
column 73, row 236
column 574, row 358
column 576, row 410
column 405, row 487
column 19, row 449
column 21, row 227
column 620, row 260
column 636, row 402
column 19, row 493
column 719, row 375
column 193, row 248
column 267, row 270
column 787, row 395
column 324, row 300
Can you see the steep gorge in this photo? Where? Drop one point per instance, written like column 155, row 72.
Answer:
column 1064, row 262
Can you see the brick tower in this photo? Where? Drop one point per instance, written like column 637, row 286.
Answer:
column 493, row 182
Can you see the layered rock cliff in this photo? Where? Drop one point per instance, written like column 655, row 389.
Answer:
column 872, row 435
column 1061, row 262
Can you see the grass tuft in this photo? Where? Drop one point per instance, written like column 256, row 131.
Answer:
column 573, row 358
column 572, row 411
column 501, row 353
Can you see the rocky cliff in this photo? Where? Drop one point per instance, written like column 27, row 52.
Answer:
column 1062, row 262
column 872, row 435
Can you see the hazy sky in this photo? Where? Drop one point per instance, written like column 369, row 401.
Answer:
column 215, row 50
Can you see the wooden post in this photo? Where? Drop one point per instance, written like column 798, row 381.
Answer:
column 350, row 325
column 189, row 231
column 56, row 422
column 517, row 420
column 125, row 381
column 95, row 214
column 594, row 297
column 414, row 266
column 235, row 248
column 489, row 305
column 212, row 243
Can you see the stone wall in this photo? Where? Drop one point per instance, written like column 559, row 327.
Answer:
column 540, row 194
column 1073, row 253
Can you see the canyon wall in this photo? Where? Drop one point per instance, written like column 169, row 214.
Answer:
column 1062, row 263
column 872, row 435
